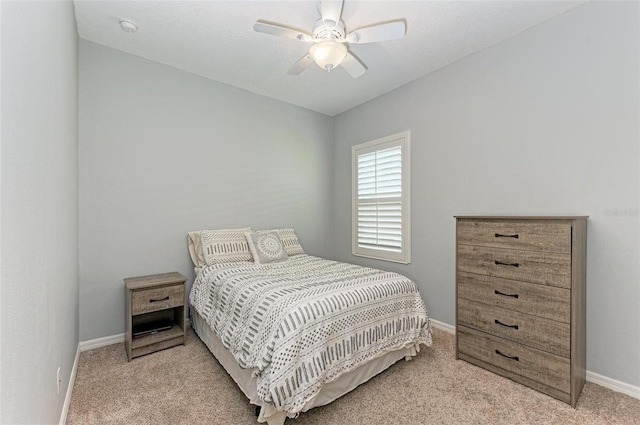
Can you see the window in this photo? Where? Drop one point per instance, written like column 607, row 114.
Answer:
column 381, row 226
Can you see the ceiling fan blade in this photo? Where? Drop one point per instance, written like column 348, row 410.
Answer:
column 380, row 32
column 353, row 65
column 281, row 31
column 301, row 65
column 331, row 11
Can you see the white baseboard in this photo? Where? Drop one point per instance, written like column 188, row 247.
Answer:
column 72, row 381
column 442, row 326
column 84, row 346
column 101, row 342
column 612, row 384
column 595, row 378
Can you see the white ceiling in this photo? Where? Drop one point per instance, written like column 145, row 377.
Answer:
column 215, row 39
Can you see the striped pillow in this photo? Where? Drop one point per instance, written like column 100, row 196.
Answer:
column 228, row 246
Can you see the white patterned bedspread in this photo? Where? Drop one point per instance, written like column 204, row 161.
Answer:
column 305, row 321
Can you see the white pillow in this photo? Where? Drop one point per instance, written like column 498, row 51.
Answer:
column 195, row 248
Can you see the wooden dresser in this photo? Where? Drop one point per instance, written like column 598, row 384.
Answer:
column 520, row 299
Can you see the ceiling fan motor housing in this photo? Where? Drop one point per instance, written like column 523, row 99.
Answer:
column 322, row 31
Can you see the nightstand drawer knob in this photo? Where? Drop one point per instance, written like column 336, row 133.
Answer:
column 159, row 300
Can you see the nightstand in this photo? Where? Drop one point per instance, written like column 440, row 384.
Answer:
column 155, row 313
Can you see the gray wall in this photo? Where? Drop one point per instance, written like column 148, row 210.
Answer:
column 163, row 152
column 39, row 192
column 543, row 123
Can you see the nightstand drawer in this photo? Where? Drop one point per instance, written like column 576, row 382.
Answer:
column 552, row 237
column 154, row 299
column 546, row 268
column 530, row 298
column 528, row 362
column 544, row 334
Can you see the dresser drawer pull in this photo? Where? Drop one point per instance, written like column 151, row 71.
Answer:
column 159, row 300
column 500, row 263
column 498, row 235
column 505, row 325
column 509, row 357
column 506, row 295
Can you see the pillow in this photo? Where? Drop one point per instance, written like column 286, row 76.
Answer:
column 266, row 247
column 195, row 244
column 195, row 248
column 289, row 240
column 212, row 250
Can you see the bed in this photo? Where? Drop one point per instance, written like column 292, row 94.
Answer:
column 296, row 331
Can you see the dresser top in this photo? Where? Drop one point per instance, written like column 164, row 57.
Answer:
column 524, row 217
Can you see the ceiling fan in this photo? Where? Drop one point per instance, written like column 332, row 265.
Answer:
column 330, row 39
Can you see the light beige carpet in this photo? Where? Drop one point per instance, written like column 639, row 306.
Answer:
column 186, row 385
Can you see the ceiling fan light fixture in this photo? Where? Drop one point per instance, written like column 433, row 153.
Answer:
column 328, row 54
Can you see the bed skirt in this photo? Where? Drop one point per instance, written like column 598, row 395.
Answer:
column 329, row 392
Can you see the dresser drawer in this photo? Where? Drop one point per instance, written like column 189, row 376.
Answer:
column 539, row 366
column 552, row 237
column 546, row 268
column 530, row 298
column 544, row 334
column 157, row 298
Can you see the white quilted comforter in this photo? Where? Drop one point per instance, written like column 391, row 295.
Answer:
column 305, row 321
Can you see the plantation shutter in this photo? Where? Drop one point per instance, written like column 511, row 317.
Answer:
column 380, row 210
column 380, row 199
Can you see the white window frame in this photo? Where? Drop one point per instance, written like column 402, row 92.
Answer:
column 403, row 140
